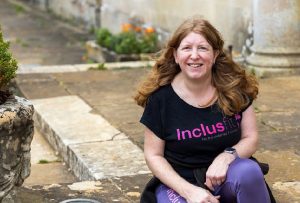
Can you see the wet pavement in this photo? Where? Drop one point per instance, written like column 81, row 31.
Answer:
column 109, row 94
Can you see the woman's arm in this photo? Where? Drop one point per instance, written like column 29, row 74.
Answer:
column 154, row 155
column 247, row 146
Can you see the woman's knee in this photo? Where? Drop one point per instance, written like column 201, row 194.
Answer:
column 245, row 171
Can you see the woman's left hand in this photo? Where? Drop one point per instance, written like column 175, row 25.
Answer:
column 216, row 172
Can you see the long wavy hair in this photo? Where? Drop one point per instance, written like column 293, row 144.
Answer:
column 235, row 88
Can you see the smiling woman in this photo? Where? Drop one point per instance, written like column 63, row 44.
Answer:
column 200, row 127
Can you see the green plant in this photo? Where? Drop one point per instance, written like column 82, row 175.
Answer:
column 19, row 8
column 43, row 161
column 22, row 43
column 103, row 35
column 149, row 43
column 100, row 66
column 128, row 41
column 8, row 65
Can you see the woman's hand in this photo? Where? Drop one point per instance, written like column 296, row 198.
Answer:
column 200, row 195
column 216, row 172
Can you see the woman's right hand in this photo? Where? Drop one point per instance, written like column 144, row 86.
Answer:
column 200, row 195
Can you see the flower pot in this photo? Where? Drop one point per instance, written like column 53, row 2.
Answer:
column 102, row 54
column 16, row 133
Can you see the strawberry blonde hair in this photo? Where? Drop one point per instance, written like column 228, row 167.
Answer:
column 235, row 88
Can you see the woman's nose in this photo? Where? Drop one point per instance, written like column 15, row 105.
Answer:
column 194, row 53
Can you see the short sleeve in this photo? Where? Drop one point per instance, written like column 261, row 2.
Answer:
column 151, row 117
column 247, row 106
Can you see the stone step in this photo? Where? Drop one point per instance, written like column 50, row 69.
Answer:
column 90, row 145
column 36, row 68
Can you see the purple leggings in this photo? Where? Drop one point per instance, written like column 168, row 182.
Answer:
column 244, row 184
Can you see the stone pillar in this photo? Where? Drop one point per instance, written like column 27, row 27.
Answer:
column 16, row 133
column 276, row 45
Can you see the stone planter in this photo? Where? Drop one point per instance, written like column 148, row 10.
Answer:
column 16, row 133
column 102, row 54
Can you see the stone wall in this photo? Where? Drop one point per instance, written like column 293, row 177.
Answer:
column 231, row 17
column 16, row 133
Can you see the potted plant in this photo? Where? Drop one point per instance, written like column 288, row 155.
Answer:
column 16, row 127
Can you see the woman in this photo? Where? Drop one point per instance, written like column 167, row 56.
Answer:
column 200, row 123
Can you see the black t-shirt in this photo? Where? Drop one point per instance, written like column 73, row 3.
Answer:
column 193, row 136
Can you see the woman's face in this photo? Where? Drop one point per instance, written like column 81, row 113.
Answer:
column 195, row 56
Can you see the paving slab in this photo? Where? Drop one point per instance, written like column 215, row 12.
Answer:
column 118, row 189
column 280, row 141
column 42, row 158
column 283, row 176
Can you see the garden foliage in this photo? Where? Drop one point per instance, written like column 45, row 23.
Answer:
column 128, row 42
column 8, row 65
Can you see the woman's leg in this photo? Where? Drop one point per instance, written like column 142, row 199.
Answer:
column 244, row 183
column 165, row 194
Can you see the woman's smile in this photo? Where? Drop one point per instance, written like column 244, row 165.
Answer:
column 195, row 65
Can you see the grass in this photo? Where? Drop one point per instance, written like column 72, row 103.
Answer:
column 22, row 43
column 101, row 66
column 44, row 161
column 19, row 9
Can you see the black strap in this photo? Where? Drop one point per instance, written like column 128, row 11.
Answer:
column 200, row 176
column 263, row 166
column 148, row 195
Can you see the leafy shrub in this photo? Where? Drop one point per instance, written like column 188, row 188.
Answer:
column 102, row 35
column 149, row 43
column 8, row 65
column 128, row 41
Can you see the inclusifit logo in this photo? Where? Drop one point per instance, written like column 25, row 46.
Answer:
column 203, row 130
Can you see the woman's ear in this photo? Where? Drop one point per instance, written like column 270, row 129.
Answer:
column 216, row 54
column 175, row 55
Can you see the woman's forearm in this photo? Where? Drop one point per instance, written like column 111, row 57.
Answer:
column 167, row 175
column 246, row 147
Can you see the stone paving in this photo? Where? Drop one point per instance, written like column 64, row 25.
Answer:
column 108, row 94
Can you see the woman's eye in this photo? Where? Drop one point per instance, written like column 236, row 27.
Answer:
column 186, row 48
column 202, row 48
